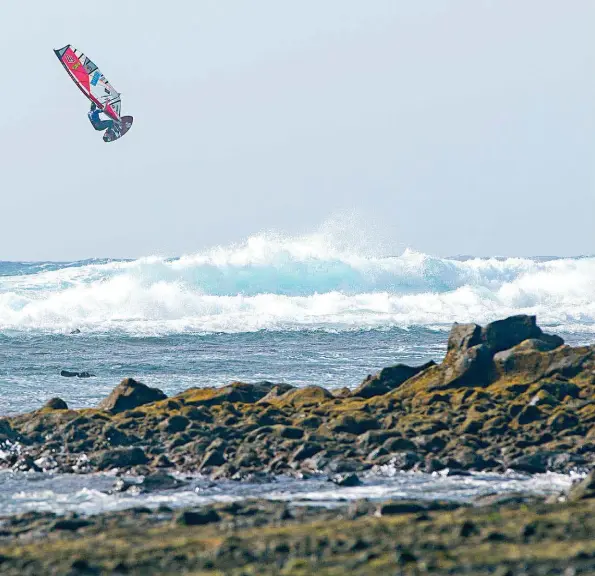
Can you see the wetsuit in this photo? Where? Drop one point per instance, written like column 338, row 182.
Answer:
column 99, row 124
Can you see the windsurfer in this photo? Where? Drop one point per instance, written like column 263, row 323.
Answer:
column 99, row 124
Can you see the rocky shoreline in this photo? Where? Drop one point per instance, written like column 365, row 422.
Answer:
column 506, row 396
column 506, row 536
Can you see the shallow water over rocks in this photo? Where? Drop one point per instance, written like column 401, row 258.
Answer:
column 94, row 493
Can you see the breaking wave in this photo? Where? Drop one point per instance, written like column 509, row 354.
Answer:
column 280, row 283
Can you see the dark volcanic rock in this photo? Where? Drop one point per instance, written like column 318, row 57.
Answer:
column 120, row 458
column 197, row 517
column 56, row 404
column 400, row 507
column 469, row 367
column 176, row 423
column 353, row 423
column 346, row 480
column 130, row 394
column 212, row 458
column 462, row 337
column 69, row 374
column 6, row 431
column 71, row 524
column 504, row 334
column 546, row 461
column 388, row 379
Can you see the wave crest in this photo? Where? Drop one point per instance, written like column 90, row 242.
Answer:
column 274, row 282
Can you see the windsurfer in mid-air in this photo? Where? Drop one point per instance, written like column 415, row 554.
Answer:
column 98, row 124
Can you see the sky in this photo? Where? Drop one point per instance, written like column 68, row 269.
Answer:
column 454, row 127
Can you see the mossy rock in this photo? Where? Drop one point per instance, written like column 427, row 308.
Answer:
column 130, row 394
column 529, row 414
column 353, row 423
column 562, row 420
column 303, row 397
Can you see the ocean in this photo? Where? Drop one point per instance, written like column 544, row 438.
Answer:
column 295, row 310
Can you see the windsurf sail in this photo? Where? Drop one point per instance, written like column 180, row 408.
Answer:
column 92, row 83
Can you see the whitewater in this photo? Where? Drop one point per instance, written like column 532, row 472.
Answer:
column 271, row 282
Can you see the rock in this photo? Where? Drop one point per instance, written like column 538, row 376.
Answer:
column 25, row 463
column 504, row 334
column 120, row 458
column 247, row 393
column 234, row 393
column 468, row 368
column 568, row 362
column 433, row 465
column 462, row 337
column 276, row 392
column 159, row 481
column 6, row 431
column 346, row 480
column 399, row 445
column 546, row 461
column 175, row 424
column 455, row 472
column 162, row 461
column 197, row 517
column 388, row 379
column 405, row 557
column 212, row 458
column 353, row 423
column 71, row 524
column 69, row 374
column 56, row 404
column 82, row 566
column 340, row 465
column 542, row 398
column 529, row 414
column 404, row 460
column 544, row 344
column 560, row 389
column 468, row 529
column 378, row 454
column 198, row 414
column 400, row 507
column 290, row 432
column 121, row 485
column 561, row 421
column 75, row 331
column 130, row 394
column 533, row 464
column 116, row 437
column 521, row 358
column 306, row 450
column 584, row 490
column 376, row 437
column 307, row 396
column 311, row 422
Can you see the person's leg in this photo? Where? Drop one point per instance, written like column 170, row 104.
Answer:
column 103, row 125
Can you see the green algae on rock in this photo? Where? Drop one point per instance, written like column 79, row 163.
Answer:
column 497, row 536
column 506, row 395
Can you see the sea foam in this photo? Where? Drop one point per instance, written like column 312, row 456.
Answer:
column 283, row 283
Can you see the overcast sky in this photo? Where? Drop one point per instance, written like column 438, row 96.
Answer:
column 456, row 126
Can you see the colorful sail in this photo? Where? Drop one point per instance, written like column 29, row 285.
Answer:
column 90, row 80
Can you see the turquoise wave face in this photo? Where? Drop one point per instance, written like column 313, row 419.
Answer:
column 286, row 284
